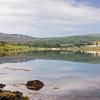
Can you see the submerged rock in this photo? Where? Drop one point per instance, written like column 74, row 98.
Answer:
column 8, row 95
column 34, row 85
column 2, row 86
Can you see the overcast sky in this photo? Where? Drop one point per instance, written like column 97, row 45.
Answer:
column 45, row 18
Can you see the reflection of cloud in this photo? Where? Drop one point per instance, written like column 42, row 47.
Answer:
column 47, row 17
column 80, row 83
column 16, row 69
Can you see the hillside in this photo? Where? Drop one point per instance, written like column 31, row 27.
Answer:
column 15, row 38
column 50, row 42
column 66, row 41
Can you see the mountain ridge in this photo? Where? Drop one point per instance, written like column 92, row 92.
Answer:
column 19, row 38
column 16, row 38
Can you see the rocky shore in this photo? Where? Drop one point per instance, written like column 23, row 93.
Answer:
column 16, row 95
column 8, row 95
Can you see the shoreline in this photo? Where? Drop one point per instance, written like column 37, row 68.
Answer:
column 51, row 93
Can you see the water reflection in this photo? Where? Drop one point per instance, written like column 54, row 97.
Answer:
column 63, row 73
column 87, row 57
column 94, row 53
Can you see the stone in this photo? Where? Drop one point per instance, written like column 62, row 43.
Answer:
column 2, row 86
column 8, row 95
column 35, row 85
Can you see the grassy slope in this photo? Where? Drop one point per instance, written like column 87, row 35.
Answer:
column 52, row 41
column 71, row 40
column 14, row 48
column 97, row 49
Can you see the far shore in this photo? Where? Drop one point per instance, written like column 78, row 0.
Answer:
column 9, row 49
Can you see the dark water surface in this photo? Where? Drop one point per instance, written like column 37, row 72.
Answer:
column 66, row 75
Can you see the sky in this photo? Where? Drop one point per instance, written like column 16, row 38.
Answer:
column 50, row 18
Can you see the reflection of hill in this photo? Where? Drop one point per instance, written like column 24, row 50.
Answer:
column 57, row 55
column 67, row 56
column 15, row 58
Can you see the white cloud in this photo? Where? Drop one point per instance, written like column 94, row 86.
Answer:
column 43, row 17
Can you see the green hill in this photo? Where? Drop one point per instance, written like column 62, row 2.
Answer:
column 69, row 41
column 16, row 38
column 66, row 41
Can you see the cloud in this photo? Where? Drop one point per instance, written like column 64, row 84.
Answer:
column 48, row 17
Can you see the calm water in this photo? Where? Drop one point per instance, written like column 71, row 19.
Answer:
column 66, row 75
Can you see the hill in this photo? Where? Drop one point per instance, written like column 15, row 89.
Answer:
column 66, row 41
column 50, row 42
column 15, row 38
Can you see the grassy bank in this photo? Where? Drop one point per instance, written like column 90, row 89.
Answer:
column 14, row 48
column 8, row 49
column 96, row 49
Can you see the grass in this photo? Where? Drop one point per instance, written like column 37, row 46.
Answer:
column 7, row 93
column 10, row 94
column 14, row 49
column 96, row 48
column 9, row 49
column 26, row 98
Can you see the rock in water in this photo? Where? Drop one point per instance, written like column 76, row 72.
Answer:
column 2, row 86
column 34, row 85
column 8, row 95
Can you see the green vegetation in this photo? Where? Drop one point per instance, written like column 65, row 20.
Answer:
column 8, row 95
column 96, row 48
column 66, row 56
column 26, row 98
column 71, row 41
column 9, row 48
